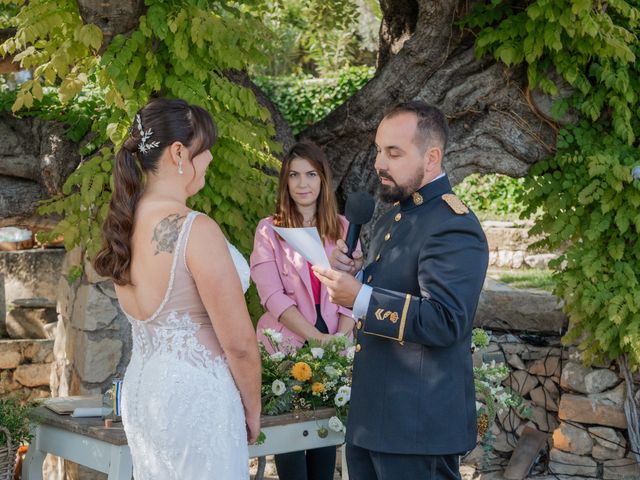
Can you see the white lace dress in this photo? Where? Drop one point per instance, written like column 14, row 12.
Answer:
column 181, row 409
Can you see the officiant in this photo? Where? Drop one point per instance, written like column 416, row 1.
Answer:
column 296, row 304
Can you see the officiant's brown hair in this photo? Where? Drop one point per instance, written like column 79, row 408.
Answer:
column 162, row 121
column 287, row 215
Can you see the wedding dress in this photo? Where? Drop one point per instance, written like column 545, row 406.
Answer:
column 181, row 409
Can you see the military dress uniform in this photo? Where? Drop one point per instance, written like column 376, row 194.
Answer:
column 413, row 392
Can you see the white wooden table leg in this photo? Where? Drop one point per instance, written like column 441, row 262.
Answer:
column 121, row 467
column 343, row 461
column 33, row 461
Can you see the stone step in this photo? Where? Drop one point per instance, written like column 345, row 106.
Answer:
column 510, row 309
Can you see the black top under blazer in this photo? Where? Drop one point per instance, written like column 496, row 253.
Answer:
column 413, row 389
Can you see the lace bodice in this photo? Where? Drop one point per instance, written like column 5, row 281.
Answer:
column 181, row 410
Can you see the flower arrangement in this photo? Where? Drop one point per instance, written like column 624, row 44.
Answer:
column 311, row 377
column 316, row 376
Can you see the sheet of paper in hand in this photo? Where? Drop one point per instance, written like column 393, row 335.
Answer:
column 307, row 242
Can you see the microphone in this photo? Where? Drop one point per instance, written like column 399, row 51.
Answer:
column 358, row 210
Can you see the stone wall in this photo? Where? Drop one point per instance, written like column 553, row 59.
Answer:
column 509, row 246
column 31, row 273
column 25, row 368
column 579, row 408
column 93, row 338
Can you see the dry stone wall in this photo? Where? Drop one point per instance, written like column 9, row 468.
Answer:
column 25, row 368
column 579, row 408
column 510, row 246
column 93, row 338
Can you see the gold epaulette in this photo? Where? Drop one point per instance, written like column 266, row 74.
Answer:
column 455, row 203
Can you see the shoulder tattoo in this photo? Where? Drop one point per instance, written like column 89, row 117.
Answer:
column 166, row 232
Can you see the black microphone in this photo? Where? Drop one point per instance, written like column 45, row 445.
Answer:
column 358, row 210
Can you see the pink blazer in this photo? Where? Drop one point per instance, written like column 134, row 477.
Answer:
column 282, row 277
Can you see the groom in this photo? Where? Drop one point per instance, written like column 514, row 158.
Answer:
column 412, row 409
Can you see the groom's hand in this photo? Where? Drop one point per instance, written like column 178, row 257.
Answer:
column 342, row 287
column 341, row 262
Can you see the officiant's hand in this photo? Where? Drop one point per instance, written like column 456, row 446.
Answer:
column 341, row 262
column 342, row 287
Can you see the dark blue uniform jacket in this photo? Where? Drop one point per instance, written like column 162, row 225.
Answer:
column 413, row 390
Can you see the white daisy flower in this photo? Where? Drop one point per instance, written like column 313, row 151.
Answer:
column 271, row 334
column 278, row 387
column 351, row 352
column 277, row 356
column 331, row 371
column 335, row 424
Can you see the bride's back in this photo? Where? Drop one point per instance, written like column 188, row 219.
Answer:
column 154, row 240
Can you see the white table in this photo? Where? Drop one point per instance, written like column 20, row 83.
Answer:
column 87, row 442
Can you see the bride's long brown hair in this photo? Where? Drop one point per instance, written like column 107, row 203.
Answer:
column 168, row 121
column 287, row 215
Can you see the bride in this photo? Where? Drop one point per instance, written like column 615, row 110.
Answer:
column 191, row 393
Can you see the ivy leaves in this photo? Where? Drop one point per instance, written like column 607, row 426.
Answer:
column 590, row 202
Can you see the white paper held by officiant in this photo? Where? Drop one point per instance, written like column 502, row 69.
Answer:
column 307, row 242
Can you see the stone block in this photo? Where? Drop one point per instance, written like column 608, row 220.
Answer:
column 97, row 360
column 502, row 307
column 38, row 351
column 516, row 362
column 602, row 453
column 622, row 469
column 545, row 420
column 33, row 375
column 600, row 380
column 569, row 438
column 539, row 260
column 9, row 359
column 607, row 437
column 542, row 398
column 497, row 357
column 92, row 310
column 587, row 410
column 614, row 396
column 509, row 419
column 563, row 463
column 573, row 375
column 546, row 367
column 31, row 273
column 520, row 381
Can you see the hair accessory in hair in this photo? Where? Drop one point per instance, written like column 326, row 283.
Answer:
column 144, row 146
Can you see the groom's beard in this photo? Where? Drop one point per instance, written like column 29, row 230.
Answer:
column 397, row 193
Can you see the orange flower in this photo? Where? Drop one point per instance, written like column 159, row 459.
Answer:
column 301, row 371
column 317, row 387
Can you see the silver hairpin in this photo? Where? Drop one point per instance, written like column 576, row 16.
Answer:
column 143, row 146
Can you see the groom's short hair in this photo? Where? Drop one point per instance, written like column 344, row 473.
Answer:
column 432, row 124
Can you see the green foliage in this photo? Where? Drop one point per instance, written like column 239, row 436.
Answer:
column 525, row 278
column 13, row 416
column 319, row 36
column 303, row 100
column 180, row 49
column 494, row 196
column 590, row 202
column 78, row 115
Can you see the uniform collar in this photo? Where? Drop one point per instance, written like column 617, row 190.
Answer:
column 433, row 189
